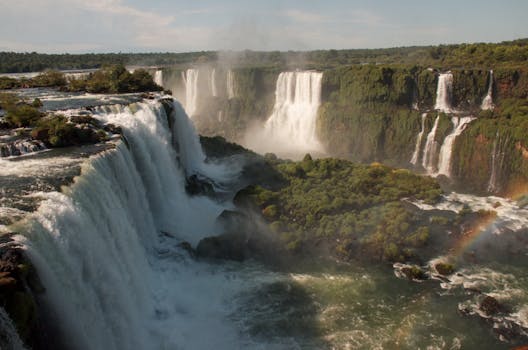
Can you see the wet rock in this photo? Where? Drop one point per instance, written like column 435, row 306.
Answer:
column 111, row 128
column 16, row 291
column 228, row 246
column 414, row 273
column 188, row 248
column 198, row 186
column 490, row 306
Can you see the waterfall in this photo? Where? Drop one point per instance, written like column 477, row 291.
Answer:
column 212, row 81
column 291, row 129
column 416, row 152
column 158, row 77
column 446, row 151
column 429, row 152
column 190, row 79
column 230, row 84
column 498, row 156
column 487, row 103
column 112, row 279
column 444, row 92
column 9, row 339
column 21, row 147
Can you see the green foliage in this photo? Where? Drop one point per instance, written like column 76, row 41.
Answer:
column 356, row 209
column 57, row 131
column 50, row 78
column 18, row 112
column 116, row 79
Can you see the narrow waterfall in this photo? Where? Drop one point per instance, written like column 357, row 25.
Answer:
column 291, row 129
column 106, row 247
column 429, row 152
column 444, row 93
column 487, row 103
column 446, row 151
column 230, row 84
column 158, row 77
column 416, row 153
column 498, row 156
column 190, row 79
column 212, row 81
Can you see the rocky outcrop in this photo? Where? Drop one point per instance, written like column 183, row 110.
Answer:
column 19, row 284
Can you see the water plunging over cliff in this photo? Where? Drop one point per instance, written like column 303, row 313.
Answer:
column 416, row 153
column 444, row 92
column 429, row 152
column 487, row 103
column 214, row 91
column 291, row 129
column 498, row 156
column 106, row 248
column 190, row 80
column 230, row 84
column 446, row 151
column 158, row 77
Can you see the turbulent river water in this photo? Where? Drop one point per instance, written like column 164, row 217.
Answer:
column 107, row 251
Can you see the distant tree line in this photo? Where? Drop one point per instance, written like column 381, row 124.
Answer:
column 510, row 53
column 14, row 62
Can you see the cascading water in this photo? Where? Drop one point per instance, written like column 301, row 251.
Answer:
column 498, row 156
column 158, row 77
column 430, row 148
column 9, row 338
column 230, row 81
column 112, row 278
column 190, row 79
column 446, row 151
column 487, row 103
column 212, row 81
column 416, row 153
column 444, row 92
column 22, row 147
column 291, row 129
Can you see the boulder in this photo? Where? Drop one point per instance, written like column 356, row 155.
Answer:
column 414, row 272
column 227, row 246
column 444, row 269
column 490, row 306
column 198, row 186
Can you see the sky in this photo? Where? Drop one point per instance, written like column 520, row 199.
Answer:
column 80, row 26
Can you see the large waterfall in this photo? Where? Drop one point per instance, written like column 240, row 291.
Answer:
column 190, row 80
column 429, row 152
column 446, row 151
column 444, row 92
column 106, row 247
column 487, row 103
column 291, row 129
column 230, row 81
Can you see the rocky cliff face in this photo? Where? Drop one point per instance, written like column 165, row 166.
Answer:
column 376, row 113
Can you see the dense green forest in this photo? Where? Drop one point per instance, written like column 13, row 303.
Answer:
column 351, row 209
column 511, row 53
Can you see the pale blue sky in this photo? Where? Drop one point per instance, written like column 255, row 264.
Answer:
column 173, row 25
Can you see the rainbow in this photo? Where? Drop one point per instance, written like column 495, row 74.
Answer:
column 472, row 235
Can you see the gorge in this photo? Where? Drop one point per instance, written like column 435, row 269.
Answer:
column 154, row 237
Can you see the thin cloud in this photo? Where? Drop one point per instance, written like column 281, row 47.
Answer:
column 304, row 16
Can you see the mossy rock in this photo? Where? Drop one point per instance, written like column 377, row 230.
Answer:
column 444, row 269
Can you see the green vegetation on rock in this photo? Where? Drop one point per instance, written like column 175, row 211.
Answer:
column 350, row 209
